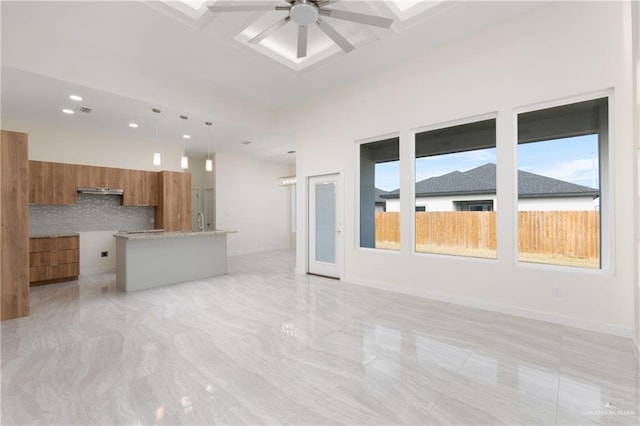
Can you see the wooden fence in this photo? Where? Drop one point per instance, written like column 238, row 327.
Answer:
column 565, row 233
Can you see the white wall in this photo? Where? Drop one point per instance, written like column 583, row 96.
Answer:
column 64, row 145
column 200, row 177
column 92, row 244
column 440, row 204
column 555, row 54
column 446, row 204
column 636, row 133
column 249, row 201
column 554, row 204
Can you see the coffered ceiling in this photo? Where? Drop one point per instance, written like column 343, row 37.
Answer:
column 131, row 56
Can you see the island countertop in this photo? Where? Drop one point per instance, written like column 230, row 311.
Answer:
column 151, row 259
column 156, row 234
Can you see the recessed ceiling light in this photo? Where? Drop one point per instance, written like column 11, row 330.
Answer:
column 75, row 98
column 67, row 111
column 186, row 136
column 134, row 125
column 246, row 142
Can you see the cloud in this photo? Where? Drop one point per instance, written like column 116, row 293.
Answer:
column 439, row 165
column 580, row 171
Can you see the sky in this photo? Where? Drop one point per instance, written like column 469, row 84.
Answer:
column 573, row 160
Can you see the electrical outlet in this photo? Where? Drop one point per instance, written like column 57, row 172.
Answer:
column 104, row 254
column 555, row 291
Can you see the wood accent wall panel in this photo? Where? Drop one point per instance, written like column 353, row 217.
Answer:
column 14, row 221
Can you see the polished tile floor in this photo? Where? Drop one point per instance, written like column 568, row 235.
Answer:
column 264, row 346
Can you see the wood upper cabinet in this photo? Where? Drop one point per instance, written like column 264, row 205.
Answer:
column 57, row 183
column 40, row 182
column 14, row 221
column 87, row 176
column 65, row 190
column 113, row 178
column 100, row 177
column 52, row 183
column 174, row 210
column 141, row 188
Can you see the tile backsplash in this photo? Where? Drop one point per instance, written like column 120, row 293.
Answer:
column 92, row 213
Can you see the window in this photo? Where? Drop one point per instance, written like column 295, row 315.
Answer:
column 456, row 177
column 380, row 194
column 560, row 167
column 474, row 206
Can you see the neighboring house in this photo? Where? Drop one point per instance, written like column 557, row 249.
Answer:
column 475, row 190
column 381, row 203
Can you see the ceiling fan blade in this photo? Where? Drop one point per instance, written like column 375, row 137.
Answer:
column 361, row 18
column 270, row 30
column 302, row 41
column 241, row 8
column 335, row 36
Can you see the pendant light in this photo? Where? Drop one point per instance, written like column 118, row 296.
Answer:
column 184, row 161
column 209, row 163
column 157, row 160
column 288, row 180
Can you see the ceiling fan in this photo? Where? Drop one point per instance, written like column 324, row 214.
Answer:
column 305, row 13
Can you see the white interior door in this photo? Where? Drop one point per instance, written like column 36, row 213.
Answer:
column 324, row 226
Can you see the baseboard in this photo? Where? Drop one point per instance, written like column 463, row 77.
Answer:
column 300, row 271
column 97, row 270
column 596, row 326
column 258, row 250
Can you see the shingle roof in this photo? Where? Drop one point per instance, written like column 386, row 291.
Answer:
column 379, row 193
column 481, row 180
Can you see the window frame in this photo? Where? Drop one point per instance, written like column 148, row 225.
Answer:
column 356, row 155
column 412, row 193
column 606, row 180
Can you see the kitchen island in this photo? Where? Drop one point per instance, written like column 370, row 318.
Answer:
column 149, row 259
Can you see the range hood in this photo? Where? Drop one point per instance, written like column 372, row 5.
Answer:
column 100, row 191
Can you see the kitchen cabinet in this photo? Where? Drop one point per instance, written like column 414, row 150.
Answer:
column 53, row 259
column 141, row 188
column 100, row 177
column 14, row 221
column 52, row 183
column 174, row 210
column 65, row 190
column 113, row 178
column 87, row 176
column 40, row 183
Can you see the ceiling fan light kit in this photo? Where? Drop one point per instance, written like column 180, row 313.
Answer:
column 305, row 13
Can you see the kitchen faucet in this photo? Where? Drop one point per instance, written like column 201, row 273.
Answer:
column 200, row 221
